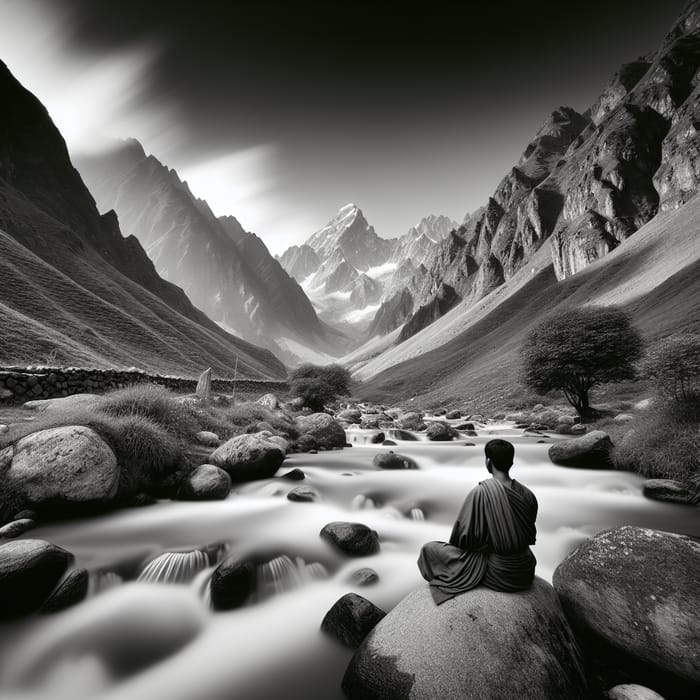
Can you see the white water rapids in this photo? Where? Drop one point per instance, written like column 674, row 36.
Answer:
column 141, row 640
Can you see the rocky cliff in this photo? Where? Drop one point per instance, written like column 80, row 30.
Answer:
column 72, row 285
column 226, row 271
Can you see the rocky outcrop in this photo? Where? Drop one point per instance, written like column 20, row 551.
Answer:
column 70, row 464
column 481, row 645
column 590, row 451
column 29, row 571
column 300, row 261
column 248, row 457
column 444, row 299
column 631, row 596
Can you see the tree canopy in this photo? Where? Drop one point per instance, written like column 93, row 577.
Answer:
column 319, row 385
column 577, row 349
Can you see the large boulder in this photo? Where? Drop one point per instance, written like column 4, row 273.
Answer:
column 667, row 490
column 323, row 428
column 391, row 460
column 480, row 645
column 590, row 451
column 206, row 483
column 631, row 595
column 411, row 421
column 351, row 415
column 351, row 619
column 29, row 571
column 354, row 539
column 399, row 434
column 69, row 464
column 248, row 457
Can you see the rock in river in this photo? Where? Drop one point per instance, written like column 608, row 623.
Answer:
column 354, row 539
column 667, row 490
column 29, row 571
column 206, row 483
column 591, row 451
column 631, row 595
column 391, row 460
column 248, row 457
column 351, row 619
column 232, row 582
column 481, row 645
column 323, row 428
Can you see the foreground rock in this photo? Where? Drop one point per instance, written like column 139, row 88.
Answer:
column 631, row 595
column 354, row 539
column 591, row 451
column 324, row 429
column 69, row 464
column 391, row 460
column 29, row 571
column 481, row 645
column 73, row 590
column 232, row 583
column 351, row 619
column 630, row 691
column 206, row 483
column 248, row 457
column 667, row 490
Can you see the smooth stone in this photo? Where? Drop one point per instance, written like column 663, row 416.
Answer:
column 591, row 451
column 667, row 490
column 69, row 464
column 399, row 434
column 378, row 438
column 232, row 583
column 29, row 571
column 389, row 443
column 631, row 691
column 248, row 457
column 16, row 528
column 303, row 494
column 624, row 418
column 206, row 483
column 72, row 590
column 351, row 619
column 364, row 577
column 391, row 460
column 631, row 595
column 295, row 474
column 323, row 428
column 481, row 645
column 205, row 437
column 353, row 539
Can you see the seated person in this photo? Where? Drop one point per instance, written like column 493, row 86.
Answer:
column 489, row 544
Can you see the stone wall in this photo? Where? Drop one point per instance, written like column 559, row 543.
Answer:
column 19, row 384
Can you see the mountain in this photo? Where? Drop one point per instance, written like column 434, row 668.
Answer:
column 593, row 197
column 72, row 286
column 225, row 270
column 359, row 281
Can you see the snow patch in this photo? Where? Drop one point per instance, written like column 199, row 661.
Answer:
column 358, row 315
column 381, row 270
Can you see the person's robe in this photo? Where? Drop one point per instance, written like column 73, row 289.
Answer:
column 489, row 544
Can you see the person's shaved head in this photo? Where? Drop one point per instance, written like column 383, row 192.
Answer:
column 500, row 453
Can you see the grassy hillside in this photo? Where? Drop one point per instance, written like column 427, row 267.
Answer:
column 654, row 274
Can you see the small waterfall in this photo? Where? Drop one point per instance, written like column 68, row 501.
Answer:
column 174, row 567
column 284, row 574
column 101, row 581
column 416, row 514
column 362, row 502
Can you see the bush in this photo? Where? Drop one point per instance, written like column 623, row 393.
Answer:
column 155, row 403
column 319, row 385
column 576, row 350
column 660, row 446
column 674, row 364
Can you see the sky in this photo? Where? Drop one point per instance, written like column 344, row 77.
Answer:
column 280, row 112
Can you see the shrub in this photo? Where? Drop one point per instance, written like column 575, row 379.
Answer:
column 319, row 385
column 660, row 446
column 154, row 403
column 674, row 364
column 575, row 350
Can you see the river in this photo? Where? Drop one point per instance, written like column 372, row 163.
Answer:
column 140, row 641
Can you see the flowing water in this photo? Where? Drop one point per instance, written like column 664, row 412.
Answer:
column 138, row 638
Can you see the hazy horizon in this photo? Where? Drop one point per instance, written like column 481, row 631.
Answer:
column 279, row 114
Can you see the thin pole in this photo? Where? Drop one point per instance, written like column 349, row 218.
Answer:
column 235, row 377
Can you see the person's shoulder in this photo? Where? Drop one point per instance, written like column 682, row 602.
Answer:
column 524, row 489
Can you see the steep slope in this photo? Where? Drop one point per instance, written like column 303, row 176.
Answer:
column 585, row 184
column 72, row 285
column 471, row 354
column 226, row 271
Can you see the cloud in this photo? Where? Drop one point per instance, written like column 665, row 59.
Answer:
column 90, row 97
